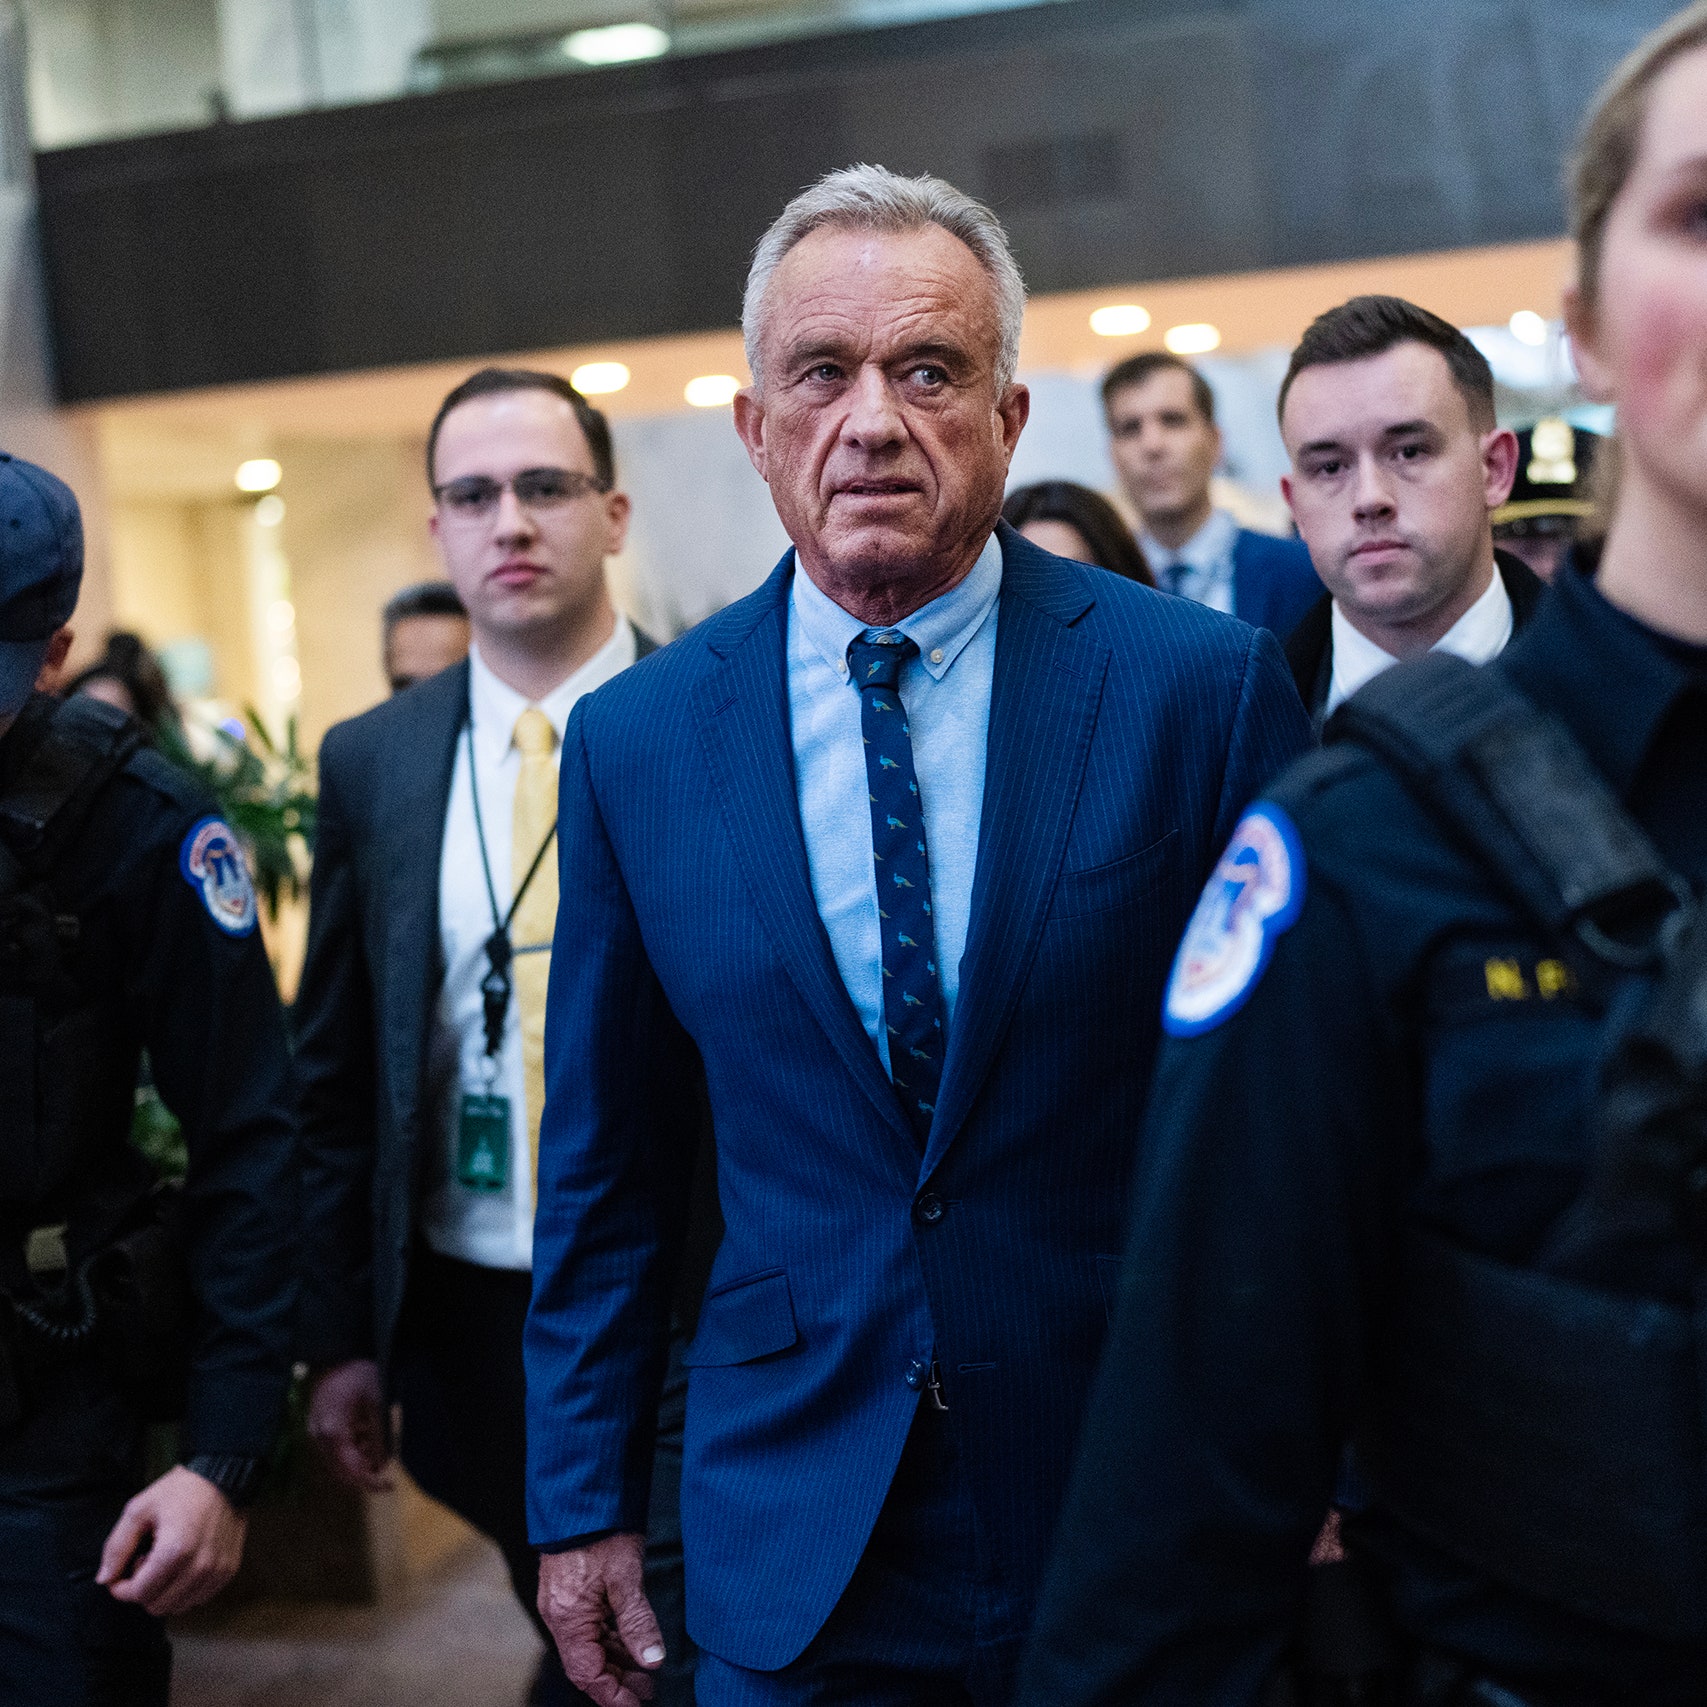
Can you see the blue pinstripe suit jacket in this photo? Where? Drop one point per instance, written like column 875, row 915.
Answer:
column 1127, row 730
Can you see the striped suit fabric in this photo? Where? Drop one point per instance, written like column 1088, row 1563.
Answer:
column 1127, row 731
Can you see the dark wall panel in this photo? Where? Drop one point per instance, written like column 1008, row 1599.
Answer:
column 1120, row 139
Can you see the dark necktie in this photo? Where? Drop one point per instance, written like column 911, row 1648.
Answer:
column 1170, row 576
column 912, row 993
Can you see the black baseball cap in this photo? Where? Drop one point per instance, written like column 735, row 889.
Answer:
column 41, row 569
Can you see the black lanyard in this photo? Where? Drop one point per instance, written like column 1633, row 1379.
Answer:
column 495, row 987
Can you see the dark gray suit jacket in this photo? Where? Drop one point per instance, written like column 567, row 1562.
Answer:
column 365, row 1006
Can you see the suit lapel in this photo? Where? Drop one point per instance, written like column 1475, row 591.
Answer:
column 741, row 710
column 419, row 767
column 1043, row 707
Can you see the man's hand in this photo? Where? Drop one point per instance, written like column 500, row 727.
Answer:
column 347, row 1420
column 177, row 1544
column 593, row 1602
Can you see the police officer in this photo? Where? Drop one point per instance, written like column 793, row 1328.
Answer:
column 127, row 922
column 1426, row 1163
column 1552, row 499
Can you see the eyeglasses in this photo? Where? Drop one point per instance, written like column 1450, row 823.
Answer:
column 475, row 496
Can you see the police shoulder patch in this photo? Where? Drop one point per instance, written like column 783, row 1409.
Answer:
column 1255, row 894
column 213, row 863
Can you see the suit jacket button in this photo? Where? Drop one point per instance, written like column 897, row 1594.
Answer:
column 917, row 1375
column 929, row 1209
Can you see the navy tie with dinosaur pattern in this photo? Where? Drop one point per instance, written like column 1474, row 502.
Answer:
column 912, row 992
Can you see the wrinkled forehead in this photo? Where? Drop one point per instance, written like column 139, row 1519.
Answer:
column 879, row 292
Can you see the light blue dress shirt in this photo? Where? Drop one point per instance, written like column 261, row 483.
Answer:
column 946, row 691
column 1202, row 568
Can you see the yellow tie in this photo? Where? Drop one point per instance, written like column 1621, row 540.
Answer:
column 534, row 817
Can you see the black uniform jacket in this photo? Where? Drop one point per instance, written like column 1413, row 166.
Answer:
column 202, row 1001
column 364, row 1011
column 1404, row 1055
column 1310, row 646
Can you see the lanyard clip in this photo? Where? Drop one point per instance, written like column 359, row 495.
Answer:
column 495, row 989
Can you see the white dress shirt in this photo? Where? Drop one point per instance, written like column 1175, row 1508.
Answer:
column 946, row 692
column 1205, row 562
column 494, row 1229
column 1479, row 634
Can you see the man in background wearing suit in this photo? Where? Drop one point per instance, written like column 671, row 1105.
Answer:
column 1398, row 464
column 924, row 821
column 421, row 1014
column 1166, row 446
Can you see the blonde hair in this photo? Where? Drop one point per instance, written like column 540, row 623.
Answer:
column 1612, row 136
column 872, row 198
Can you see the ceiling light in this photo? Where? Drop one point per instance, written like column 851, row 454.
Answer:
column 1195, row 338
column 1120, row 320
column 258, row 474
column 1527, row 327
column 270, row 511
column 287, row 677
column 712, row 390
column 614, row 44
column 599, row 379
column 281, row 614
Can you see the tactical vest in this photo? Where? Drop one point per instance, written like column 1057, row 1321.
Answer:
column 1548, row 1424
column 56, row 1063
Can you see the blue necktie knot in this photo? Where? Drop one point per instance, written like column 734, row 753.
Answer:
column 876, row 657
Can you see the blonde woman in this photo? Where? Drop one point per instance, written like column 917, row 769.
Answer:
column 1425, row 1165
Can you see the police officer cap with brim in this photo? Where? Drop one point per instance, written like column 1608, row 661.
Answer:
column 1551, row 492
column 41, row 569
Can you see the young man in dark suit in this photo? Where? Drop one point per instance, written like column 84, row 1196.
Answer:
column 1398, row 465
column 1166, row 445
column 421, row 1012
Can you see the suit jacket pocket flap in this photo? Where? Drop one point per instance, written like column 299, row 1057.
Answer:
column 744, row 1320
column 1117, row 883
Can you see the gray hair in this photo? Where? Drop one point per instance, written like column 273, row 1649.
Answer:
column 872, row 198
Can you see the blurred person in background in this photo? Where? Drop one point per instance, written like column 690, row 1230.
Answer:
column 128, row 675
column 1166, row 447
column 424, row 630
column 925, row 1091
column 127, row 922
column 1423, row 1167
column 1075, row 522
column 1552, row 501
column 421, row 1012
column 1398, row 465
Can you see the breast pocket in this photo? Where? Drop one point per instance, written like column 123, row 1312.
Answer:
column 742, row 1321
column 1117, row 883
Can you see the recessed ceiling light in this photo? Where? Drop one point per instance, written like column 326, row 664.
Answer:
column 1195, row 338
column 1120, row 320
column 258, row 474
column 1527, row 327
column 712, row 390
column 615, row 44
column 598, row 379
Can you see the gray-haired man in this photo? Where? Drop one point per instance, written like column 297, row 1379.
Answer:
column 938, row 803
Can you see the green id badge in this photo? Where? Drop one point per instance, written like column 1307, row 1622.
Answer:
column 483, row 1143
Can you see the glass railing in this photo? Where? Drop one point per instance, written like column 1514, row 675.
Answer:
column 102, row 69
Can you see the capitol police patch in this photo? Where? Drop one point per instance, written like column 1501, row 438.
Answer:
column 213, row 862
column 1256, row 893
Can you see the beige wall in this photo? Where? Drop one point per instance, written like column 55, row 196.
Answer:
column 355, row 531
column 178, row 572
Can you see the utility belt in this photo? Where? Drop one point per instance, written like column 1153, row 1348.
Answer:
column 126, row 1304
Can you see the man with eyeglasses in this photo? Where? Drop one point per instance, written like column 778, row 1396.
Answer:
column 421, row 1013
